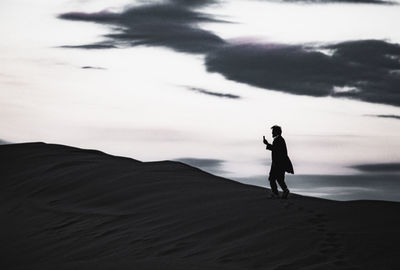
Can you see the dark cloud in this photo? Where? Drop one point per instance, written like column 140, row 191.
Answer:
column 367, row 70
column 215, row 94
column 146, row 14
column 169, row 25
column 385, row 116
column 91, row 67
column 340, row 1
column 193, row 3
column 379, row 167
column 349, row 187
column 3, row 142
column 339, row 187
column 209, row 165
column 95, row 46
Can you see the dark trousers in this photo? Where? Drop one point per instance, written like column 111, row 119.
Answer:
column 277, row 174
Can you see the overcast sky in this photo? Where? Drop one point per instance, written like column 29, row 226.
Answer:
column 202, row 81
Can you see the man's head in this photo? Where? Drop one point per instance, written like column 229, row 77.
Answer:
column 276, row 131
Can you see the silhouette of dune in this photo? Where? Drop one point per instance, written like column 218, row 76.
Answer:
column 68, row 208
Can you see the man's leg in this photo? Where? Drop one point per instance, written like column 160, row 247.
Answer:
column 272, row 181
column 282, row 184
column 274, row 187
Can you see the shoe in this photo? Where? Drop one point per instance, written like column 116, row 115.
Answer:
column 285, row 194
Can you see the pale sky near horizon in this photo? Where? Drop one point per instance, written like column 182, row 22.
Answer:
column 166, row 100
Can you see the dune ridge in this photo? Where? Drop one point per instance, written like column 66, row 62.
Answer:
column 69, row 208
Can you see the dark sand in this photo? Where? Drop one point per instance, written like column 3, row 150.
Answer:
column 69, row 208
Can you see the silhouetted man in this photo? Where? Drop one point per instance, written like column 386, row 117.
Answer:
column 280, row 162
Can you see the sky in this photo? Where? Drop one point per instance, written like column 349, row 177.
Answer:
column 201, row 81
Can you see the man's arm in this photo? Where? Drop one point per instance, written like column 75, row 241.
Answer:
column 269, row 146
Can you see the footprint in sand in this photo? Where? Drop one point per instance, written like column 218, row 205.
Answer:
column 330, row 245
column 340, row 256
column 321, row 227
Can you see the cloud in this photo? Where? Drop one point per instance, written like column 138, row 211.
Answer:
column 385, row 116
column 350, row 187
column 340, row 1
column 193, row 3
column 209, row 165
column 94, row 46
column 221, row 95
column 169, row 25
column 339, row 187
column 91, row 67
column 378, row 167
column 3, row 142
column 366, row 70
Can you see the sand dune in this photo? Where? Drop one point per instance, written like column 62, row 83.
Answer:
column 69, row 208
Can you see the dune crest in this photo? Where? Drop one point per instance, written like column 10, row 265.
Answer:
column 69, row 208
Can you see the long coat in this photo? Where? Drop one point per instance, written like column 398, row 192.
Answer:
column 280, row 158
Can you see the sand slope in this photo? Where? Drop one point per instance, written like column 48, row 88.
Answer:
column 69, row 208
